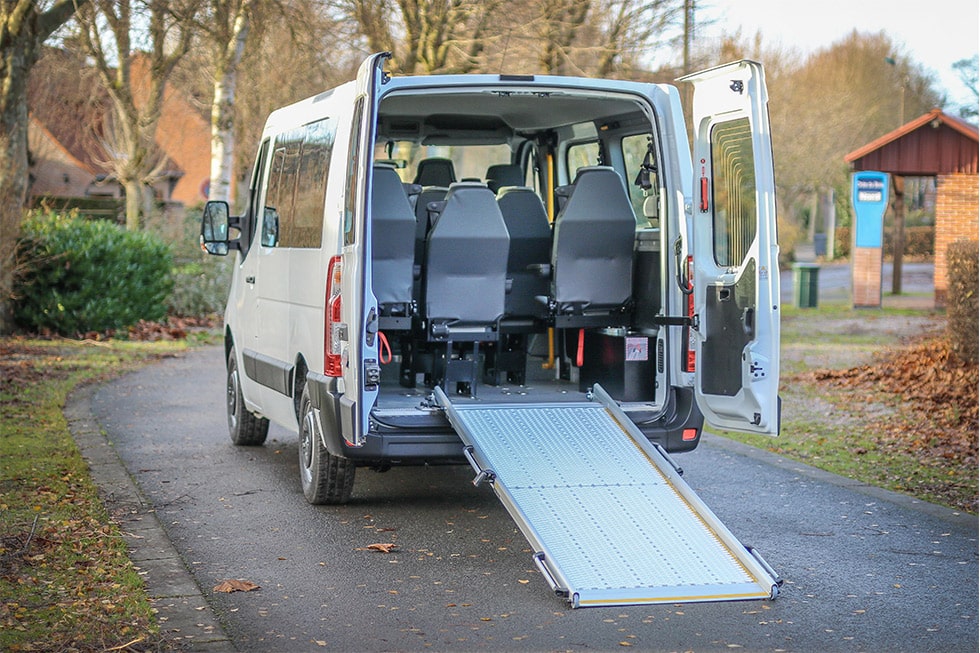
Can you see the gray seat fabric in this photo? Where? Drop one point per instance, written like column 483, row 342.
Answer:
column 530, row 249
column 393, row 237
column 592, row 252
column 501, row 175
column 423, row 222
column 466, row 263
column 435, row 172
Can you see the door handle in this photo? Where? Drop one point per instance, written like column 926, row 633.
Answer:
column 249, row 279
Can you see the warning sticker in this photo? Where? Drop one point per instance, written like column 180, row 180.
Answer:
column 637, row 349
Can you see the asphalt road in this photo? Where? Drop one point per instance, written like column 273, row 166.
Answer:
column 834, row 282
column 865, row 570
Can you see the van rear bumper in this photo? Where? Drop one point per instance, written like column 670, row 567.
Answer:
column 432, row 442
column 430, row 439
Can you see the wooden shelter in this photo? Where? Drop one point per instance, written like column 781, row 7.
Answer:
column 933, row 145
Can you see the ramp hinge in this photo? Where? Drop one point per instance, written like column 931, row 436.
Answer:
column 670, row 461
column 481, row 474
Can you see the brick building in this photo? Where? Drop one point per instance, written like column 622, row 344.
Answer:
column 69, row 149
column 941, row 146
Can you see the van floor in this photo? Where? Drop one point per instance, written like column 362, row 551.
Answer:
column 541, row 386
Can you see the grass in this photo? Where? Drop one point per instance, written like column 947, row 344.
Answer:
column 66, row 583
column 852, row 432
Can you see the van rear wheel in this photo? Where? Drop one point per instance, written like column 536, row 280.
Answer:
column 246, row 428
column 326, row 478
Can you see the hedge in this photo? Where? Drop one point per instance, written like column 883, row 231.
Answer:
column 80, row 275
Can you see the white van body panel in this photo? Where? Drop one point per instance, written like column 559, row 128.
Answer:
column 731, row 116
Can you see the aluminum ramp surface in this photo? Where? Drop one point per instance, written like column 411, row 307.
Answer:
column 609, row 517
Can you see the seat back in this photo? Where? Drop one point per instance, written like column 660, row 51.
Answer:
column 592, row 252
column 435, row 172
column 465, row 270
column 530, row 247
column 422, row 218
column 501, row 175
column 392, row 237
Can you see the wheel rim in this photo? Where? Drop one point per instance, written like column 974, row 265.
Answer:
column 306, row 448
column 232, row 398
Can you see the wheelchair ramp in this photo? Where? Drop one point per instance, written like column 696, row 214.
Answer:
column 609, row 517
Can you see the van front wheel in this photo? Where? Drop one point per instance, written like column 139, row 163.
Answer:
column 245, row 428
column 326, row 478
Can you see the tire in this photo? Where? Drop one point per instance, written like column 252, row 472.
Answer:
column 326, row 479
column 246, row 428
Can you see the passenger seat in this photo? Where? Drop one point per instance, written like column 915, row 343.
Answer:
column 393, row 256
column 592, row 252
column 464, row 279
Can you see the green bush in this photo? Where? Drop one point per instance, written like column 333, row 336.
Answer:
column 81, row 275
column 200, row 288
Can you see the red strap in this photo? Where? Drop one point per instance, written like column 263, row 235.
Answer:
column 384, row 347
column 580, row 354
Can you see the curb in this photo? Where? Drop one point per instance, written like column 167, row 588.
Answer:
column 185, row 618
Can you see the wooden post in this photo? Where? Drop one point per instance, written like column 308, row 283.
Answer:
column 898, row 232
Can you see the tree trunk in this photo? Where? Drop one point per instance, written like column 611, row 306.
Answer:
column 134, row 203
column 14, row 68
column 223, row 106
column 23, row 28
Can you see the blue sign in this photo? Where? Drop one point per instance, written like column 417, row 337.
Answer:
column 869, row 195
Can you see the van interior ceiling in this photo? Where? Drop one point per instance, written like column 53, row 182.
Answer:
column 520, row 282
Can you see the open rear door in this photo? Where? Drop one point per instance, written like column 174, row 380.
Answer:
column 736, row 273
column 361, row 370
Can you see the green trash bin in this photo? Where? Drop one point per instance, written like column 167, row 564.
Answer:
column 805, row 278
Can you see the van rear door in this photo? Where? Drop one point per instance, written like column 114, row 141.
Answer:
column 736, row 273
column 359, row 309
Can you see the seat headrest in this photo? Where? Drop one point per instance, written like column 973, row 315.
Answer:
column 504, row 174
column 435, row 172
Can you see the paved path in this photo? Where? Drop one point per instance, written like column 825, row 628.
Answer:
column 865, row 569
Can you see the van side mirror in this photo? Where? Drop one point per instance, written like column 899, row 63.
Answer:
column 214, row 228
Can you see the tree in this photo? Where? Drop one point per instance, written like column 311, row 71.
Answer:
column 967, row 71
column 425, row 37
column 227, row 24
column 112, row 32
column 24, row 26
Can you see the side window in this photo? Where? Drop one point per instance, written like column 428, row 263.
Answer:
column 294, row 201
column 254, row 197
column 353, row 171
column 580, row 155
column 733, row 191
column 635, row 149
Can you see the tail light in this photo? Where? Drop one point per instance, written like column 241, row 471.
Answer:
column 332, row 363
column 690, row 358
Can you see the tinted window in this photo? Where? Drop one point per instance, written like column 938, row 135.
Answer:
column 294, row 201
column 635, row 149
column 733, row 191
column 581, row 155
column 353, row 171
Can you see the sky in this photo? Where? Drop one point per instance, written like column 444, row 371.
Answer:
column 935, row 34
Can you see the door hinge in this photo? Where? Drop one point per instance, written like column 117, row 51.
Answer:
column 675, row 320
column 372, row 374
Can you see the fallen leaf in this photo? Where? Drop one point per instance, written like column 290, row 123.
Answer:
column 383, row 547
column 233, row 585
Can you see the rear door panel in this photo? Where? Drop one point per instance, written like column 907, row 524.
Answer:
column 736, row 276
